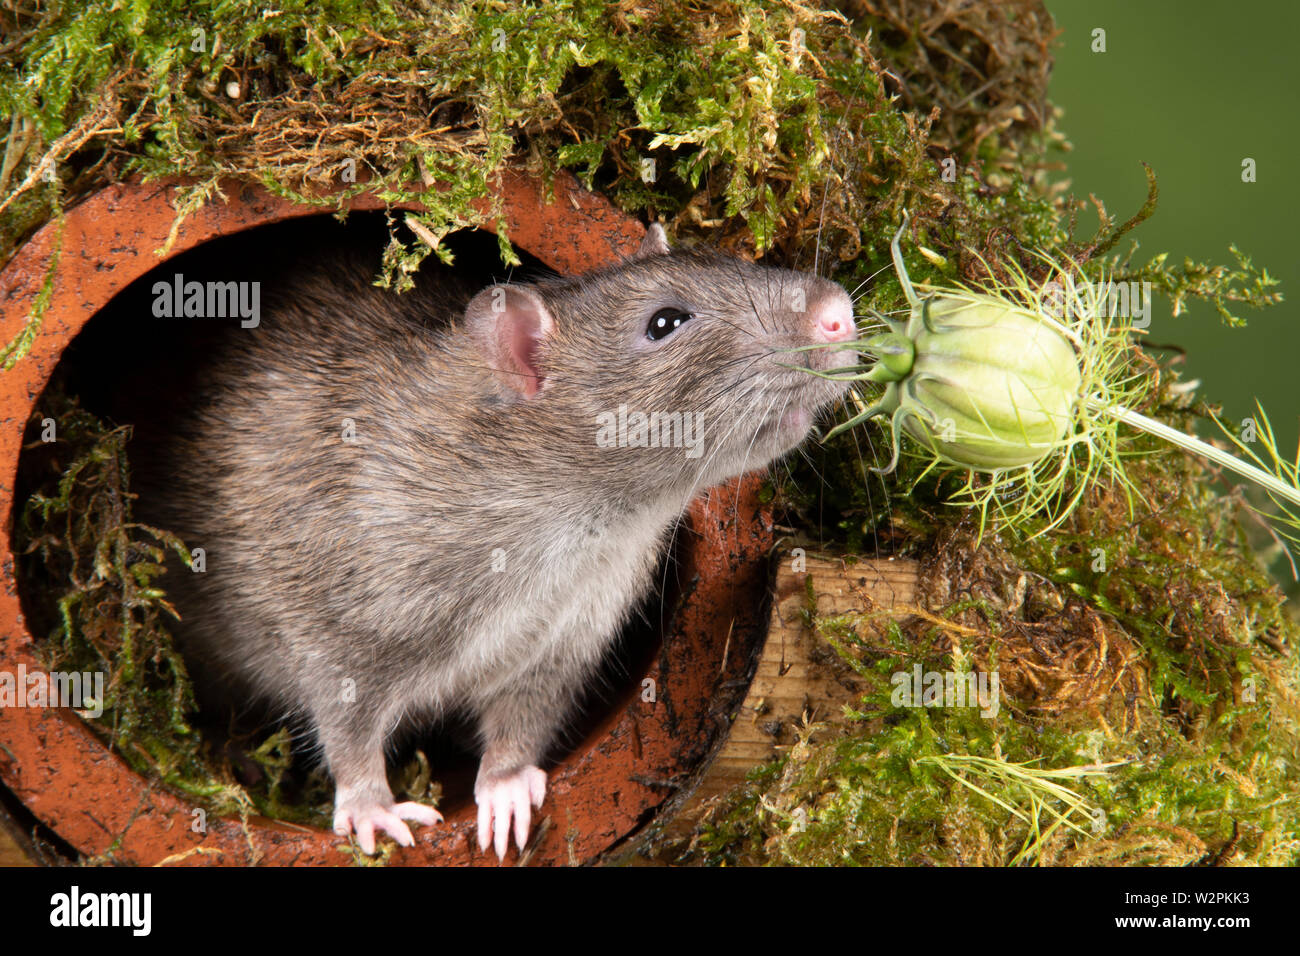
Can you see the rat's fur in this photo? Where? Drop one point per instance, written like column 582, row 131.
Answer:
column 470, row 548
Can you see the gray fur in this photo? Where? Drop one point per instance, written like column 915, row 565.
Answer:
column 372, row 561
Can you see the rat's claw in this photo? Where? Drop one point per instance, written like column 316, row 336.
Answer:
column 502, row 799
column 364, row 821
column 417, row 813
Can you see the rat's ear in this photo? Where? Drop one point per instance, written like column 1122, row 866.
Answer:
column 655, row 242
column 508, row 322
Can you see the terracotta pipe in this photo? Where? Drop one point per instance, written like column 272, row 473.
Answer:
column 602, row 793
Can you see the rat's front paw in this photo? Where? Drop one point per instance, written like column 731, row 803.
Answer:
column 502, row 796
column 364, row 818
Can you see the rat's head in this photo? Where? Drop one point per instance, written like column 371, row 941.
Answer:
column 686, row 367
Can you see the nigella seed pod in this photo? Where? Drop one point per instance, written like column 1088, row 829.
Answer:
column 1022, row 384
column 1029, row 382
column 976, row 380
column 987, row 386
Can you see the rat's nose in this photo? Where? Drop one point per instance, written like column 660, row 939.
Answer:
column 832, row 318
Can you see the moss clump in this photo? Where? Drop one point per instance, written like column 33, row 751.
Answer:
column 762, row 126
column 95, row 574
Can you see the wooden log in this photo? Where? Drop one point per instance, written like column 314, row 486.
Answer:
column 798, row 672
column 15, row 849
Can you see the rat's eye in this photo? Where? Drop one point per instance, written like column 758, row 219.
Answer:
column 664, row 322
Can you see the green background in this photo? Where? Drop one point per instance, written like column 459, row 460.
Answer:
column 1193, row 88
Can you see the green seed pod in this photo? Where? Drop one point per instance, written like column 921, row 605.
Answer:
column 988, row 386
column 997, row 377
column 987, row 381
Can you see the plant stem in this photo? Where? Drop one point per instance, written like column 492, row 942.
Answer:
column 1271, row 483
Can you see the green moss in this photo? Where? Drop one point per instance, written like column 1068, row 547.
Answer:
column 21, row 344
column 769, row 125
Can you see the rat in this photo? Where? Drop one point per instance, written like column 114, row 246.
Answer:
column 451, row 500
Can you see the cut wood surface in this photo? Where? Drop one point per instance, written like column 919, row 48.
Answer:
column 12, row 852
column 798, row 671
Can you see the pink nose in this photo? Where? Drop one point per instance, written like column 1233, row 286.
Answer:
column 832, row 318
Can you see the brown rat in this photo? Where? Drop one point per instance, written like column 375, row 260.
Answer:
column 446, row 501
